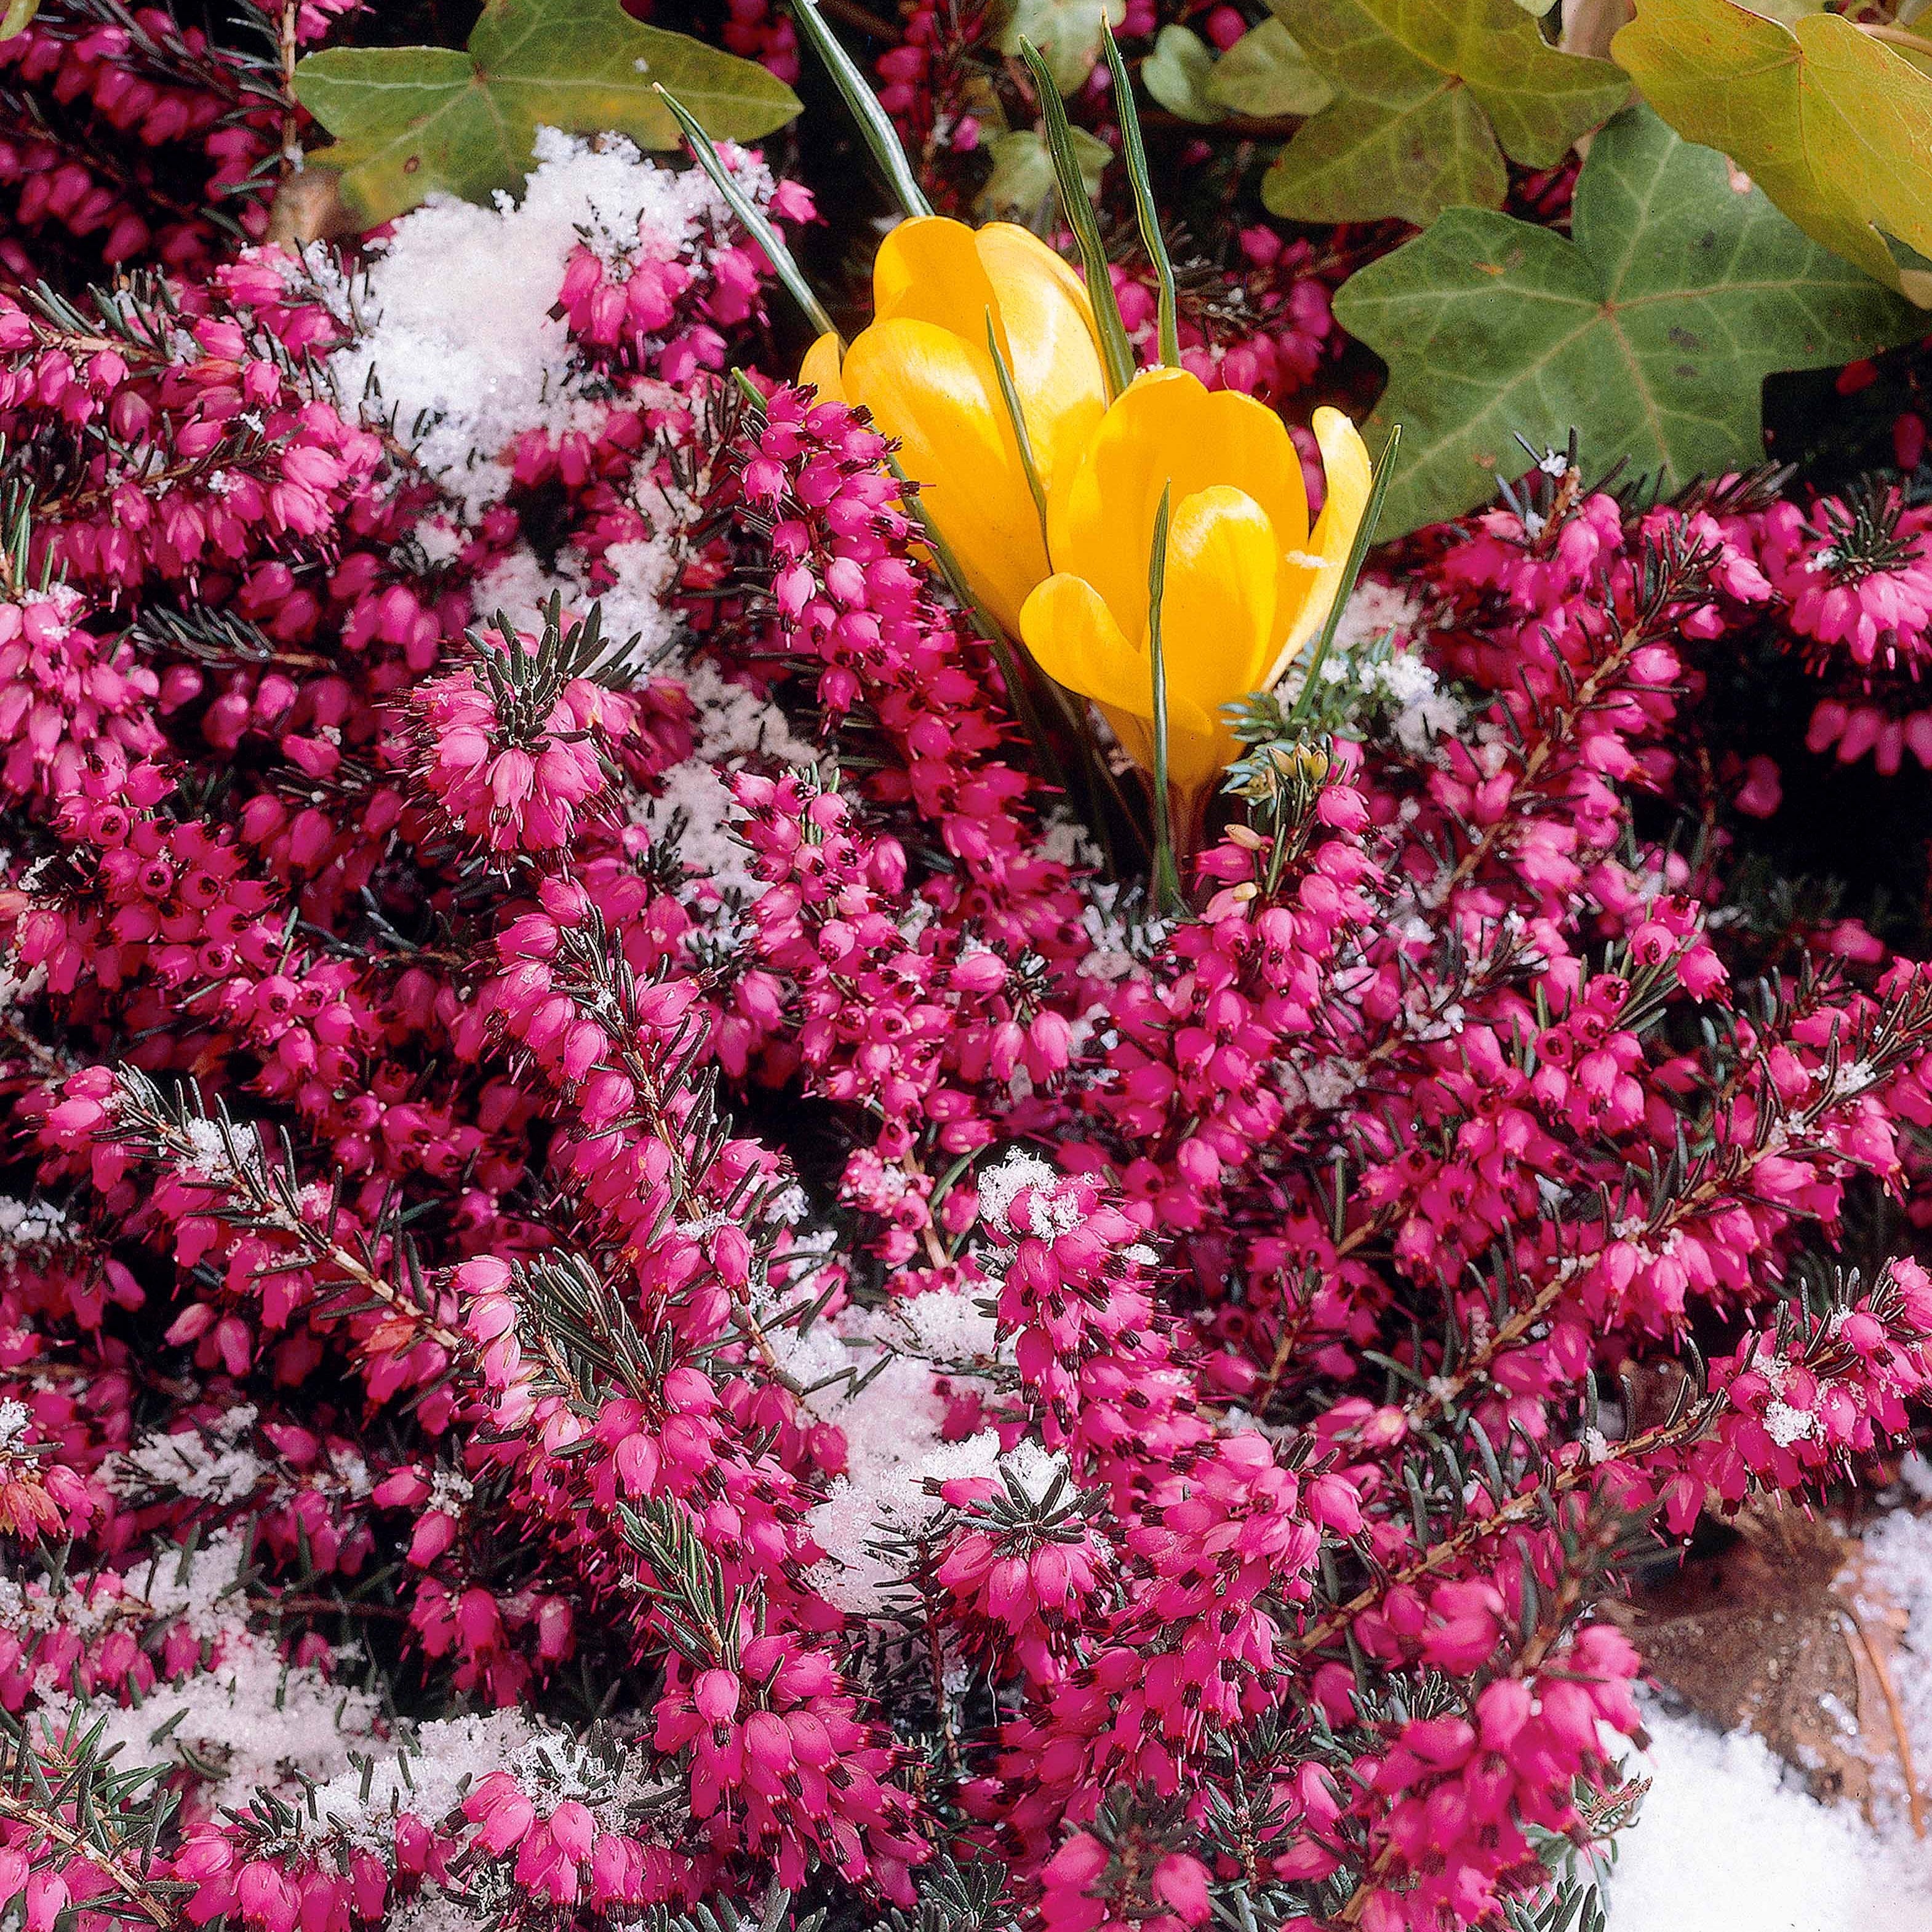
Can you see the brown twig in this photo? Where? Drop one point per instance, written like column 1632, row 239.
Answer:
column 1234, row 127
column 1520, row 1509
column 862, row 18
column 1915, row 1803
column 40, row 1825
column 1899, row 36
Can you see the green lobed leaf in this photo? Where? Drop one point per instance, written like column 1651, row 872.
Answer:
column 1066, row 32
column 412, row 121
column 1265, row 72
column 1178, row 73
column 1834, row 126
column 1653, row 331
column 1430, row 96
column 1021, row 183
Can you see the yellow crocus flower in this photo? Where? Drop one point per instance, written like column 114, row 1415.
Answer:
column 924, row 369
column 1246, row 585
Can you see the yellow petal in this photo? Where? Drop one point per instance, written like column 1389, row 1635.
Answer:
column 820, row 370
column 1309, row 580
column 1048, row 328
column 1217, row 608
column 1166, row 428
column 928, row 269
column 1073, row 637
column 940, row 398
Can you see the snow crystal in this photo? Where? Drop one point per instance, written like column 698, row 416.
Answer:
column 1728, row 1841
column 429, row 1776
column 884, row 1495
column 1033, row 1471
column 1786, row 1425
column 29, row 1223
column 251, row 1719
column 733, row 723
column 219, row 1156
column 1898, row 1559
column 948, row 1326
column 1373, row 610
column 1727, row 1832
column 462, row 344
column 215, row 1465
column 1000, row 1185
column 19, row 985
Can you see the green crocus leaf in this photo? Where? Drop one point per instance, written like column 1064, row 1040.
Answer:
column 17, row 17
column 411, row 121
column 1652, row 331
column 1834, row 126
column 1430, row 96
column 1265, row 72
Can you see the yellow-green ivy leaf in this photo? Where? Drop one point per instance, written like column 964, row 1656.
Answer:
column 1265, row 72
column 1430, row 96
column 1652, row 332
column 1177, row 74
column 411, row 121
column 1022, row 180
column 1067, row 33
column 1834, row 126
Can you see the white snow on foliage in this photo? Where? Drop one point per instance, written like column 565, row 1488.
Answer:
column 459, row 349
column 1729, row 1840
column 463, row 345
column 250, row 1718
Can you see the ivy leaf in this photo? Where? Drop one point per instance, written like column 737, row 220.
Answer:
column 1177, row 73
column 410, row 122
column 1067, row 33
column 1834, row 126
column 1432, row 94
column 1265, row 72
column 1023, row 178
column 1652, row 332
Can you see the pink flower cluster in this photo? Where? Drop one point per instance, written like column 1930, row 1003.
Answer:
column 636, row 1281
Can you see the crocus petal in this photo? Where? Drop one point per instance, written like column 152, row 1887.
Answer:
column 933, row 270
column 1166, row 429
column 940, row 398
column 820, row 370
column 928, row 269
column 1309, row 580
column 1048, row 328
column 1217, row 609
column 1072, row 637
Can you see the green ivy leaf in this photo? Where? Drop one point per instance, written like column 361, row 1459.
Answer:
column 1067, row 33
column 1652, row 332
column 1834, row 126
column 1265, row 72
column 1431, row 95
column 410, row 122
column 1177, row 73
column 1022, row 180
